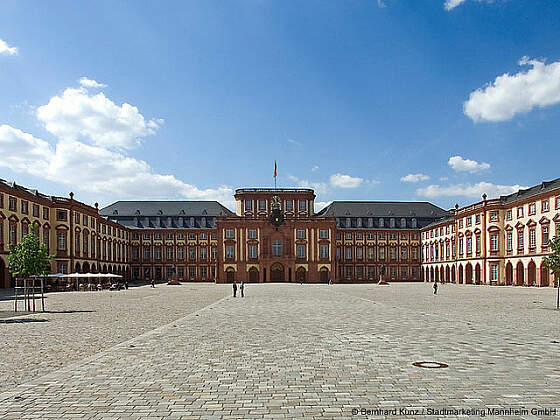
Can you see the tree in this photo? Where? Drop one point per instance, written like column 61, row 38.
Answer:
column 29, row 257
column 552, row 262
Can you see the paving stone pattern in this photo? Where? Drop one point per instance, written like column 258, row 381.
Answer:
column 318, row 351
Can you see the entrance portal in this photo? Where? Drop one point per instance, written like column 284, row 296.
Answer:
column 277, row 272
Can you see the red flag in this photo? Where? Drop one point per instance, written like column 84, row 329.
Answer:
column 275, row 170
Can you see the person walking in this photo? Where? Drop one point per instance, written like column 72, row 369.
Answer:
column 242, row 289
column 234, row 289
column 153, row 283
column 435, row 287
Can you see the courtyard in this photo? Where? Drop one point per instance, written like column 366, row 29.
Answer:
column 283, row 351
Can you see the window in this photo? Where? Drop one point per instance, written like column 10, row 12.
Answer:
column 277, row 248
column 360, row 272
column 45, row 236
column 24, row 207
column 557, row 203
column 45, row 213
column 203, row 253
column 403, row 222
column 146, row 236
column 85, row 245
column 519, row 212
column 393, row 237
column 532, row 208
column 532, row 239
column 349, row 271
column 415, row 253
column 12, row 240
column 180, row 236
column 392, row 222
column 192, row 253
column 348, row 253
column 301, row 251
column 508, row 215
column 85, row 220
column 469, row 245
column 77, row 217
column 146, row 253
column 393, row 253
column 192, row 272
column 494, row 272
column 302, row 205
column 404, row 253
column 203, row 272
column 12, row 203
column 252, row 234
column 509, row 241
column 61, row 215
column 370, row 253
column 404, row 272
column 169, row 255
column 371, row 236
column 348, row 236
column 300, row 234
column 35, row 210
column 214, row 253
column 469, row 221
column 371, row 272
column 545, row 236
column 477, row 219
column 323, row 234
column 382, row 253
column 214, row 235
column 253, row 251
column 61, row 241
column 192, row 236
column 381, row 222
column 493, row 216
column 157, row 236
column 203, row 236
column 169, row 236
column 404, row 238
column 393, row 272
column 262, row 205
column 180, row 253
column 181, row 272
column 169, row 272
column 461, row 224
column 1, row 201
column 230, row 234
column 520, row 238
column 230, row 252
column 157, row 253
column 382, row 236
column 359, row 236
column 461, row 246
column 494, row 242
column 359, row 253
column 478, row 244
column 324, row 251
column 248, row 205
column 289, row 205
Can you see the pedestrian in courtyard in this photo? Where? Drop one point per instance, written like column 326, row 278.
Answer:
column 435, row 287
column 153, row 283
column 242, row 289
column 234, row 289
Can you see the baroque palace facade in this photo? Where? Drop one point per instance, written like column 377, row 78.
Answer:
column 274, row 235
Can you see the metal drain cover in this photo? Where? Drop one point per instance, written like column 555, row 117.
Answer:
column 430, row 365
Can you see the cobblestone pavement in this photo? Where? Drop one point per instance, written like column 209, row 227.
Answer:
column 80, row 324
column 318, row 351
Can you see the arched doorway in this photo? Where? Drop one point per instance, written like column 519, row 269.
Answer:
column 544, row 277
column 460, row 274
column 447, row 274
column 520, row 275
column 324, row 275
column 431, row 274
column 253, row 275
column 277, row 272
column 453, row 276
column 477, row 274
column 230, row 275
column 468, row 274
column 301, row 275
column 77, row 269
column 441, row 274
column 93, row 268
column 509, row 274
column 437, row 274
column 531, row 274
column 86, row 267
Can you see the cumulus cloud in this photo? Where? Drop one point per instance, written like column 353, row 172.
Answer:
column 513, row 94
column 452, row 4
column 76, row 114
column 345, row 181
column 415, row 178
column 460, row 164
column 468, row 190
column 6, row 49
column 22, row 152
column 319, row 187
column 89, row 83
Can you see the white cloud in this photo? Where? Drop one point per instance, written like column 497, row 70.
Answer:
column 320, row 205
column 89, row 83
column 97, row 170
column 468, row 190
column 467, row 165
column 315, row 168
column 78, row 115
column 415, row 178
column 444, row 178
column 319, row 187
column 381, row 4
column 345, row 181
column 509, row 94
column 451, row 4
column 294, row 142
column 6, row 49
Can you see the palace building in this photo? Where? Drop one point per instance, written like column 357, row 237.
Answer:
column 274, row 235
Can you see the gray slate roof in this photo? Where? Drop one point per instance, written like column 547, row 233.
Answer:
column 417, row 209
column 165, row 208
column 545, row 186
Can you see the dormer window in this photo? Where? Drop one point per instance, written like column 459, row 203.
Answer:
column 381, row 222
column 359, row 222
column 248, row 205
column 392, row 222
column 203, row 222
column 414, row 225
column 403, row 222
column 370, row 222
column 191, row 221
column 262, row 205
column 348, row 222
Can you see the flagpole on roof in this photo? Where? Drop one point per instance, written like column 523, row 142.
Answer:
column 275, row 173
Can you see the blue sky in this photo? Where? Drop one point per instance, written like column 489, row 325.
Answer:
column 356, row 99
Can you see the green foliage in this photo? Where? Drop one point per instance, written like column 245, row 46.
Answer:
column 552, row 262
column 29, row 257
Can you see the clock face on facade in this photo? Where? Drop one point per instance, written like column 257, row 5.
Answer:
column 276, row 217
